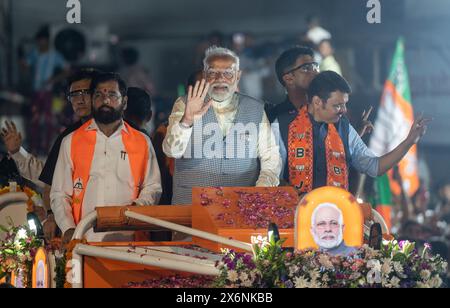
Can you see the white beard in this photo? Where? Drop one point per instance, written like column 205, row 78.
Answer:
column 328, row 244
column 222, row 96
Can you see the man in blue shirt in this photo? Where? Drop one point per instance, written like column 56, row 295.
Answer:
column 325, row 163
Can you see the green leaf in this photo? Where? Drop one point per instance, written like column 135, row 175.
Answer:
column 399, row 257
column 9, row 251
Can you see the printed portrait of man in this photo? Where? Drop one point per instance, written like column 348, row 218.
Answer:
column 327, row 229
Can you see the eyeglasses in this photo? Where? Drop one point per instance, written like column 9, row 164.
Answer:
column 215, row 74
column 111, row 95
column 305, row 68
column 78, row 94
column 340, row 107
column 332, row 224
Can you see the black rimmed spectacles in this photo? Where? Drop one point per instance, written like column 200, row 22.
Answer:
column 305, row 68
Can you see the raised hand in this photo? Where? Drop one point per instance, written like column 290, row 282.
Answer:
column 195, row 105
column 367, row 126
column 11, row 137
column 418, row 129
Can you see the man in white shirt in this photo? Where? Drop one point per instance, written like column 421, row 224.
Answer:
column 229, row 133
column 316, row 33
column 329, row 62
column 103, row 163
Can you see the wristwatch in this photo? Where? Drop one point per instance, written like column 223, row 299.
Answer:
column 185, row 126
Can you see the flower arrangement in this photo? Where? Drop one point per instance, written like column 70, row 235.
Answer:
column 17, row 252
column 395, row 265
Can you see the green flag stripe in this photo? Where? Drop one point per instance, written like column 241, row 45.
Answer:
column 399, row 73
column 384, row 195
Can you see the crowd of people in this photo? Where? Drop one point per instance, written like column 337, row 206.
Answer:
column 217, row 134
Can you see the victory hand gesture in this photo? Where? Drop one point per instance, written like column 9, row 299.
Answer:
column 367, row 126
column 195, row 105
column 418, row 129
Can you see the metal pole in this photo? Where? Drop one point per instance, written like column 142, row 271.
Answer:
column 177, row 265
column 85, row 224
column 190, row 231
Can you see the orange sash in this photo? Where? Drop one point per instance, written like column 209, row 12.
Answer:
column 300, row 155
column 82, row 154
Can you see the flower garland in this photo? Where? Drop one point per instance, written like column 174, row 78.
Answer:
column 69, row 251
column 33, row 197
column 395, row 265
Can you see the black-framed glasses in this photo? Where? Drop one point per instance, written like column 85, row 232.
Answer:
column 305, row 68
column 78, row 94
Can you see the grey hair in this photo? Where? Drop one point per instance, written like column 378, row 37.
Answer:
column 323, row 205
column 215, row 51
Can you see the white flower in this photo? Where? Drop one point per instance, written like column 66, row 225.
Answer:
column 315, row 284
column 243, row 276
column 259, row 241
column 422, row 285
column 21, row 234
column 425, row 275
column 444, row 266
column 398, row 267
column 371, row 253
column 384, row 281
column 374, row 275
column 301, row 282
column 325, row 261
column 393, row 283
column 293, row 269
column 233, row 276
column 435, row 282
column 385, row 242
column 375, row 265
column 247, row 283
column 386, row 269
column 314, row 274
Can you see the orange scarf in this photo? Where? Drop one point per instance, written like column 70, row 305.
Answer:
column 82, row 154
column 301, row 155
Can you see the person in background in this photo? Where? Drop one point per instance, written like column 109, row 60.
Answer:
column 328, row 63
column 47, row 67
column 139, row 109
column 32, row 168
column 315, row 32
